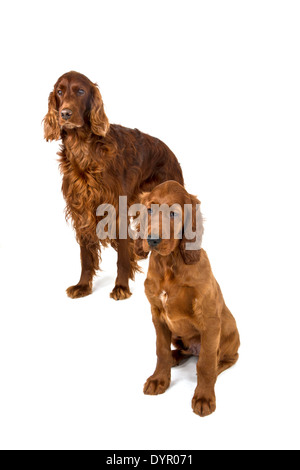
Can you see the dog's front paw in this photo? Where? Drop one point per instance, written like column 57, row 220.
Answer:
column 157, row 384
column 80, row 290
column 204, row 405
column 120, row 293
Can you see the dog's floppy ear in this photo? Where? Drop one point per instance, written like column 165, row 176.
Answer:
column 139, row 248
column 51, row 125
column 98, row 118
column 138, row 242
column 190, row 246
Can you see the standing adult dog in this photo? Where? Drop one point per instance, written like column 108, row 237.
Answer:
column 100, row 162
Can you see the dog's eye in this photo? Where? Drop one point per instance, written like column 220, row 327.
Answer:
column 80, row 92
column 59, row 92
column 173, row 215
column 150, row 211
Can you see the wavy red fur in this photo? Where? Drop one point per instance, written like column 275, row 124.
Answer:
column 100, row 162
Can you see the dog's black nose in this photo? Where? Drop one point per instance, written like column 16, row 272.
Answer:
column 66, row 114
column 154, row 241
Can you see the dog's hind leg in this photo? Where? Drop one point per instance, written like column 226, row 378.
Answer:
column 230, row 342
column 179, row 356
column 227, row 362
column 181, row 353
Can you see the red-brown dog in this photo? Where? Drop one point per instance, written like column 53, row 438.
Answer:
column 100, row 162
column 187, row 305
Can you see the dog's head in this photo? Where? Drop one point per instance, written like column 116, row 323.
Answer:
column 75, row 102
column 174, row 222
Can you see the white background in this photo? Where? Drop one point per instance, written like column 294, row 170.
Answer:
column 219, row 82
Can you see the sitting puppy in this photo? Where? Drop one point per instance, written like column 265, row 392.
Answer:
column 187, row 305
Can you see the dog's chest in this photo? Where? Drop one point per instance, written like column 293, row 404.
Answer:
column 175, row 301
column 177, row 308
column 175, row 297
column 84, row 191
